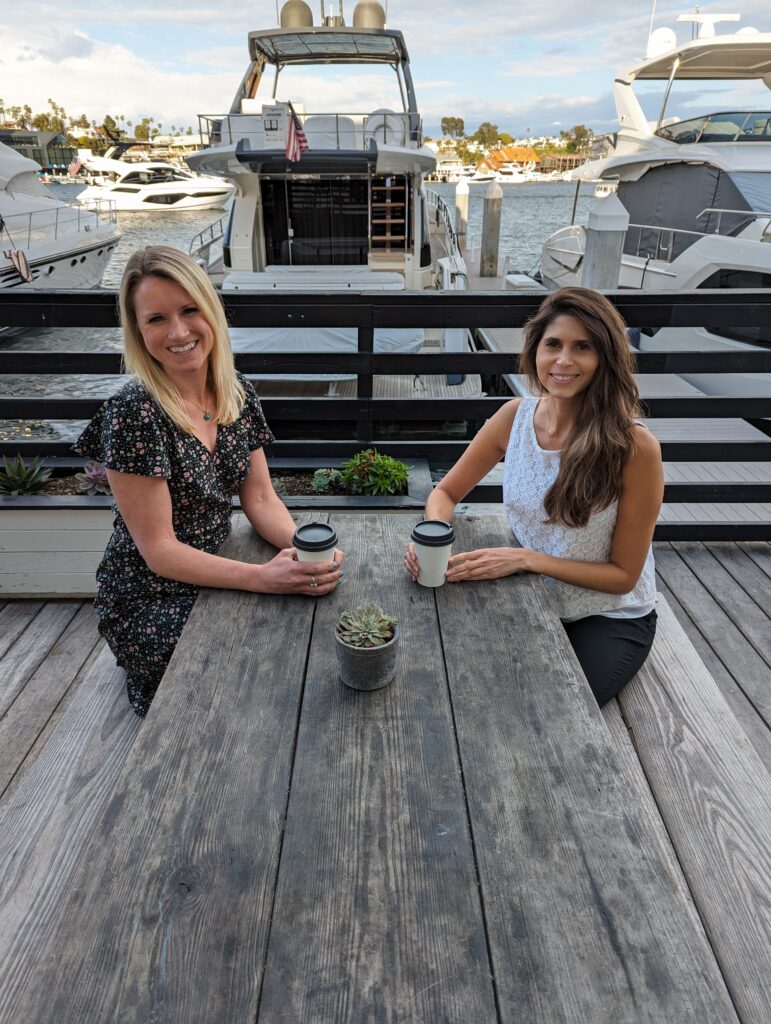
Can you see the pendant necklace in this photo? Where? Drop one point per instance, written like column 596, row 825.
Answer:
column 206, row 414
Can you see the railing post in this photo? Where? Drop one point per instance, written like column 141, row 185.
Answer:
column 366, row 343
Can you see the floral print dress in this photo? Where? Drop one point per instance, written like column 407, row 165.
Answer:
column 141, row 614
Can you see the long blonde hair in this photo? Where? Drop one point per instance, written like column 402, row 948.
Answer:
column 592, row 462
column 165, row 262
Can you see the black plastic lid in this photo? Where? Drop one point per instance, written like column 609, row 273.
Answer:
column 315, row 537
column 433, row 533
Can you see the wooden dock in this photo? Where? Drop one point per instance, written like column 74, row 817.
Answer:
column 690, row 751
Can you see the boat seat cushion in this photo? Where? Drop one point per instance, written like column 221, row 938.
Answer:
column 387, row 127
column 332, row 131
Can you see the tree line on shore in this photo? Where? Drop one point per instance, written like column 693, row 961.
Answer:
column 487, row 136
column 84, row 132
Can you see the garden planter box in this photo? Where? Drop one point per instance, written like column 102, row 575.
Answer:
column 50, row 545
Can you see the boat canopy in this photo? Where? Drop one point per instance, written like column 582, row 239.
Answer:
column 724, row 57
column 338, row 46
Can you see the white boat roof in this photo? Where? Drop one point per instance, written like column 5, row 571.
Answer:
column 736, row 157
column 14, row 165
column 338, row 45
column 719, row 57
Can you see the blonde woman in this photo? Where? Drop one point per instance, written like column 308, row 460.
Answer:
column 582, row 488
column 178, row 441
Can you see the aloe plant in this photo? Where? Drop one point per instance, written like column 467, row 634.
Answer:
column 93, row 479
column 19, row 478
column 367, row 626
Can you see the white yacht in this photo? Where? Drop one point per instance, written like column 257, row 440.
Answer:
column 45, row 243
column 327, row 200
column 152, row 186
column 698, row 191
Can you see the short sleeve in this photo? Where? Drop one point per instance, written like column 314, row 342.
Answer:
column 258, row 433
column 127, row 435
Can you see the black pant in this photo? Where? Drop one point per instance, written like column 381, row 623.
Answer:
column 611, row 650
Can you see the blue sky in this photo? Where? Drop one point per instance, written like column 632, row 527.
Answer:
column 543, row 66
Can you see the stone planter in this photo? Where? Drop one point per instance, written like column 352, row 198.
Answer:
column 367, row 668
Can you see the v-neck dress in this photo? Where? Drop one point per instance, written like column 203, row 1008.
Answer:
column 141, row 614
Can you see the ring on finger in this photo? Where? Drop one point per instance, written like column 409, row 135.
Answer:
column 314, row 581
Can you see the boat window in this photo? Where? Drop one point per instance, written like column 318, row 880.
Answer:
column 329, row 221
column 320, row 92
column 760, row 332
column 735, row 126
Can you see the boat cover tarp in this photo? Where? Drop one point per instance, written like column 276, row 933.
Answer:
column 673, row 196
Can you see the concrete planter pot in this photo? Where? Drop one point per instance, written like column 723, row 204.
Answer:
column 367, row 668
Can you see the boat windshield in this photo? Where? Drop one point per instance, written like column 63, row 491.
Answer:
column 335, row 88
column 736, row 126
column 311, row 47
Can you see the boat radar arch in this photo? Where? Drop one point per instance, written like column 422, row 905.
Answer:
column 296, row 14
column 369, row 14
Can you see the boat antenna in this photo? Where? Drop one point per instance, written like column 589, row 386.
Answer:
column 650, row 27
column 278, row 14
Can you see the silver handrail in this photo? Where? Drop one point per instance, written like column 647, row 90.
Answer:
column 16, row 225
column 750, row 214
column 442, row 213
column 214, row 231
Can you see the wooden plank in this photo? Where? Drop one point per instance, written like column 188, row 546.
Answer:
column 35, row 704
column 747, row 573
column 715, row 798
column 32, row 647
column 650, row 816
column 167, row 914
column 582, row 915
column 748, row 615
column 704, row 430
column 760, row 555
column 739, row 657
column 15, row 617
column 385, row 912
column 46, row 820
column 49, row 585
column 88, row 540
column 742, row 709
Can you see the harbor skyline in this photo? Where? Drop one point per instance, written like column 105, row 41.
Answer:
column 534, row 71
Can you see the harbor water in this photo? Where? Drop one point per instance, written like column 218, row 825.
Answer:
column 530, row 213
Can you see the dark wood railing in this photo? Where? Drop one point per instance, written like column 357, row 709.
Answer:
column 333, row 427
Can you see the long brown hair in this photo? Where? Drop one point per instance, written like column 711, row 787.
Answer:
column 165, row 262
column 592, row 462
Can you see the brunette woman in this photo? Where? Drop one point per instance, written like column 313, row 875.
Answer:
column 582, row 488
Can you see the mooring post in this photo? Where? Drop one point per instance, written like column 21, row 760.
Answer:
column 461, row 213
column 491, row 230
column 605, row 231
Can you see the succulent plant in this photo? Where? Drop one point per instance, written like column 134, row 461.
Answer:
column 370, row 472
column 19, row 478
column 324, row 478
column 367, row 626
column 93, row 479
column 279, row 486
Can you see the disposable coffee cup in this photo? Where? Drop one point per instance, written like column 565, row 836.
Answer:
column 433, row 540
column 315, row 542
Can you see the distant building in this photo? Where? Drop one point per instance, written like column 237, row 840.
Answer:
column 523, row 157
column 176, row 147
column 52, row 150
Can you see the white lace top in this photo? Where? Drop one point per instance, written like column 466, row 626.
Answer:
column 528, row 473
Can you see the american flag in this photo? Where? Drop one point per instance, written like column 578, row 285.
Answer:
column 296, row 143
column 75, row 166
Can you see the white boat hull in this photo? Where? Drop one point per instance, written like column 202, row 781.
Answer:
column 161, row 199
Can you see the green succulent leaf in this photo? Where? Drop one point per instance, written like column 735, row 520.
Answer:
column 19, row 478
column 367, row 626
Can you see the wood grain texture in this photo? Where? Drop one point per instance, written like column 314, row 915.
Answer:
column 377, row 914
column 166, row 916
column 583, row 917
column 741, row 659
column 14, row 619
column 47, row 817
column 741, row 707
column 36, row 702
column 715, row 797
column 21, row 661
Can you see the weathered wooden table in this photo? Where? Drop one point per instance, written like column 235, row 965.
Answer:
column 458, row 847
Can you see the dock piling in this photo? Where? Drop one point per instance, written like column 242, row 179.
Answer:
column 461, row 213
column 491, row 230
column 605, row 231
